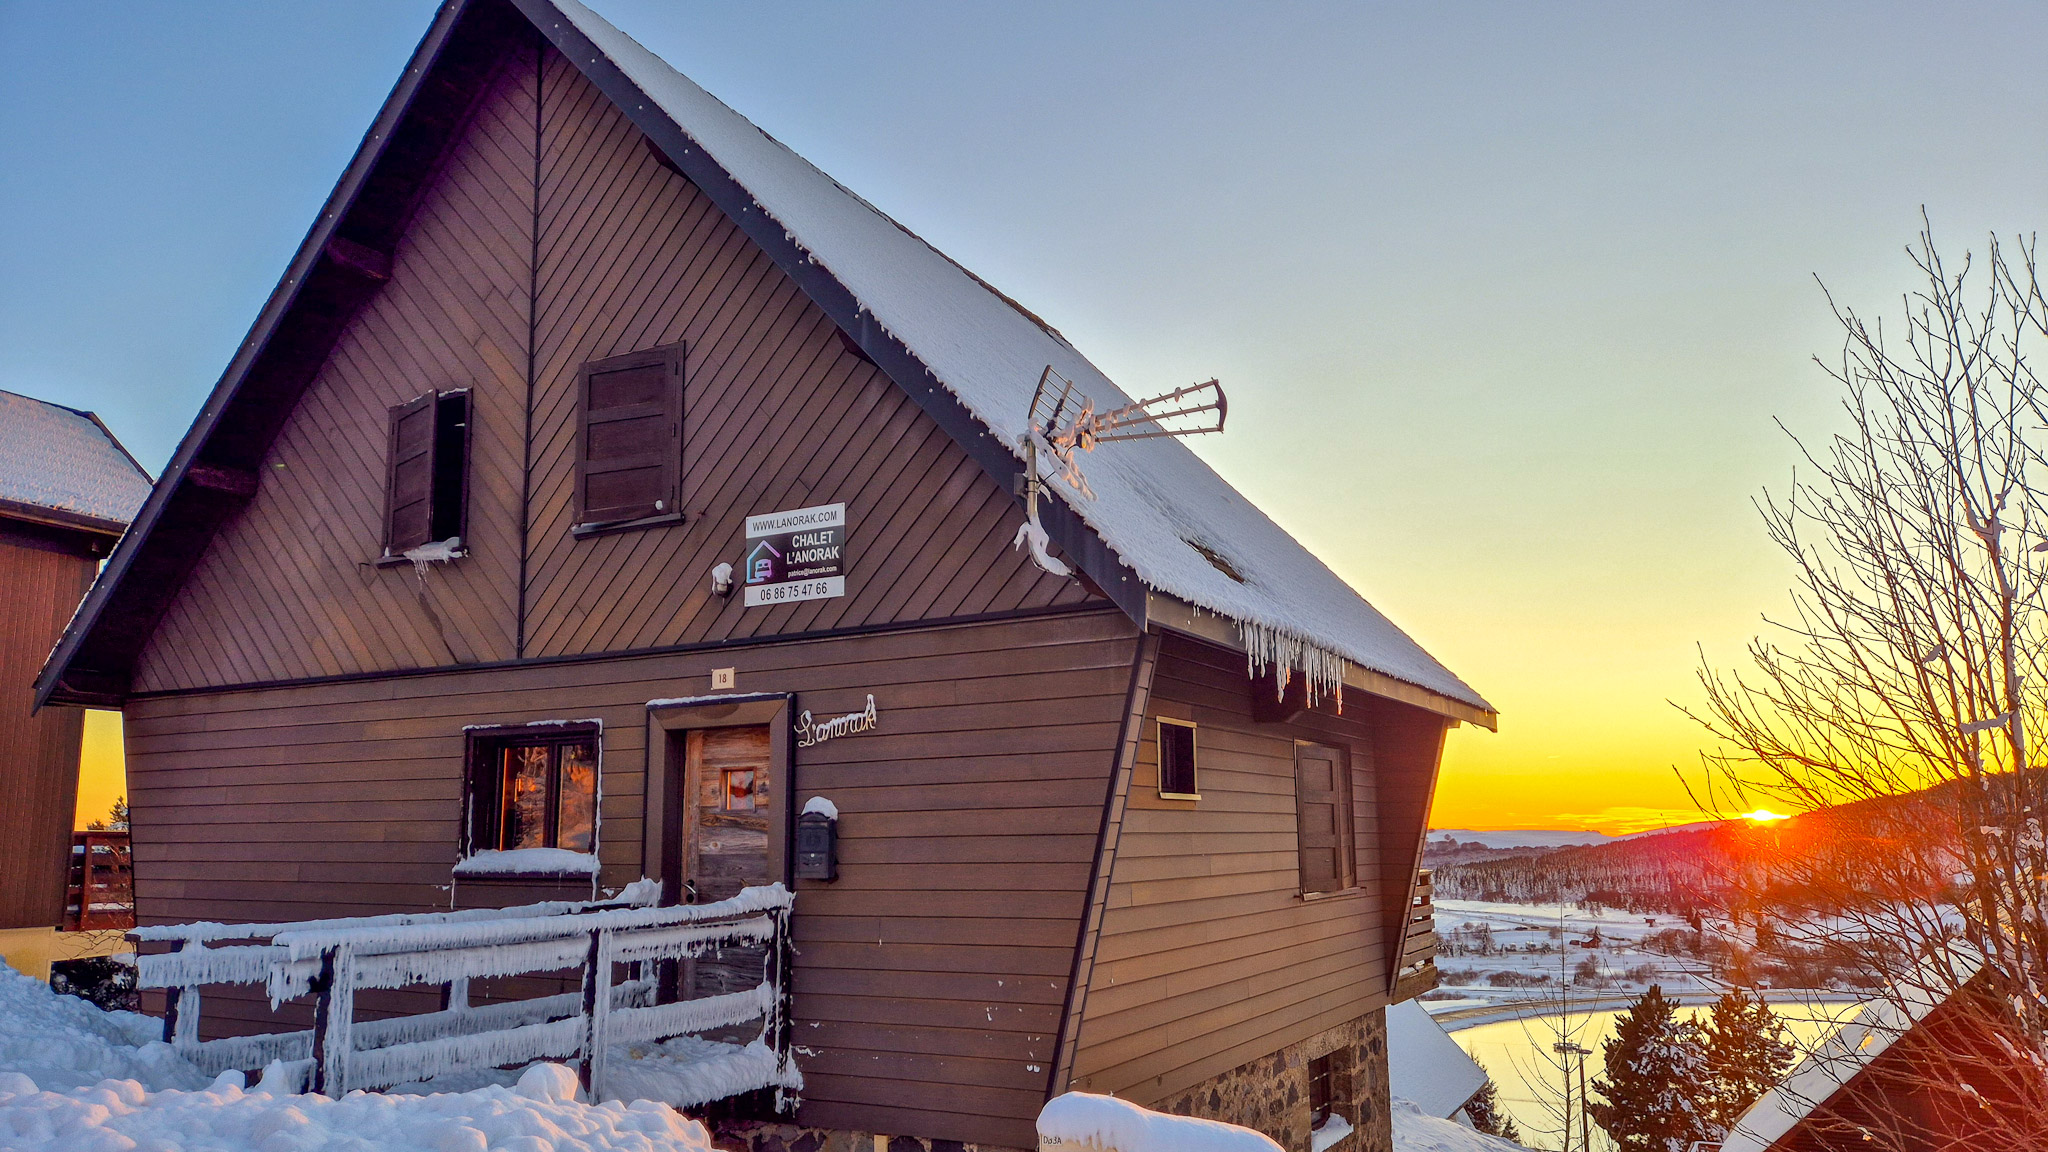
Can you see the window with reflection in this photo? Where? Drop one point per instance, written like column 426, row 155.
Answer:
column 533, row 789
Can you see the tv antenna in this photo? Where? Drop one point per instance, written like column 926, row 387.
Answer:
column 1063, row 421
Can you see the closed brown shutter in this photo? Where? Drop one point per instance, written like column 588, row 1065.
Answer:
column 1322, row 807
column 409, row 475
column 629, row 446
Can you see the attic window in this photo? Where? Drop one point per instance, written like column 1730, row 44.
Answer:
column 629, row 444
column 1215, row 558
column 426, row 478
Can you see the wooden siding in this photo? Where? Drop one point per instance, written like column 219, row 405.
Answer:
column 778, row 413
column 44, row 578
column 930, row 976
column 1208, row 955
column 288, row 588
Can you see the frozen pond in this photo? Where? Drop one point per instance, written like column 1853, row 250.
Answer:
column 1517, row 1054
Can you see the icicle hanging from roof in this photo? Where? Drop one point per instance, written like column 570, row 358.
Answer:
column 1286, row 653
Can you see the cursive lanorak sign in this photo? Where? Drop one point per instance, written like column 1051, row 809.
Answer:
column 809, row 731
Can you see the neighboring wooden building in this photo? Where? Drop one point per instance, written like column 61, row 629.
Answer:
column 565, row 327
column 67, row 491
column 1932, row 1066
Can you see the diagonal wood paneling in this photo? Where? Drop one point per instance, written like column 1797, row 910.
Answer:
column 287, row 589
column 777, row 414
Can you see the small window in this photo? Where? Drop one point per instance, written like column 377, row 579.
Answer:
column 533, row 790
column 1330, row 1092
column 629, row 443
column 1177, row 760
column 426, row 488
column 1322, row 810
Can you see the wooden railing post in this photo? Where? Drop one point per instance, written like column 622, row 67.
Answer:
column 176, row 1009
column 780, row 1032
column 597, row 1005
column 334, row 1021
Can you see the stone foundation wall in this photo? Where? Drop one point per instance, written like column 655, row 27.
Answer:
column 1270, row 1094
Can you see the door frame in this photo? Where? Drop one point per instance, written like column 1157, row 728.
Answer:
column 668, row 723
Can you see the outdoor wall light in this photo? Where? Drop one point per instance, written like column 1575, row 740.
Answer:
column 721, row 580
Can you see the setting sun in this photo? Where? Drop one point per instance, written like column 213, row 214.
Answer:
column 1764, row 816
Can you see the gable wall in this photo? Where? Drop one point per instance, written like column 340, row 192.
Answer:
column 778, row 414
column 1208, row 955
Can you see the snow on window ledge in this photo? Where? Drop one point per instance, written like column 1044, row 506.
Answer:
column 528, row 862
column 1332, row 1130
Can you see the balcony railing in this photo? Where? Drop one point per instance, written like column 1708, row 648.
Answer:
column 100, row 893
column 1418, row 946
column 593, row 1028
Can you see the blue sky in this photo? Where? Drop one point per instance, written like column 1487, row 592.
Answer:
column 1507, row 296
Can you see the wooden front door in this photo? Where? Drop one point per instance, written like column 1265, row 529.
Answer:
column 728, row 797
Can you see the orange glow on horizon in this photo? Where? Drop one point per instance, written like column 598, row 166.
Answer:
column 1764, row 816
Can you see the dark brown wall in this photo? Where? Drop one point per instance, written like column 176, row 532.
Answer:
column 930, row 976
column 43, row 574
column 1209, row 956
column 778, row 414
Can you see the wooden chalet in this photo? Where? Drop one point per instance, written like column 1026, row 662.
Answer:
column 67, row 491
column 603, row 483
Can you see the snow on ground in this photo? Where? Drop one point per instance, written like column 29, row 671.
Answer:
column 76, row 1079
column 1501, row 952
column 1418, row 1131
column 540, row 1114
column 62, row 1042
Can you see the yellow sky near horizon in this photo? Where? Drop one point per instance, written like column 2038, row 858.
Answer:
column 101, row 775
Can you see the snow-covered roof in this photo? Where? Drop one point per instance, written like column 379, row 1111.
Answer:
column 65, row 461
column 1425, row 1066
column 1157, row 506
column 1860, row 1039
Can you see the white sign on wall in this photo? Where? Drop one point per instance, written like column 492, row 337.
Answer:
column 795, row 555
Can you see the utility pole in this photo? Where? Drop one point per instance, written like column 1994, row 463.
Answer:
column 1578, row 1053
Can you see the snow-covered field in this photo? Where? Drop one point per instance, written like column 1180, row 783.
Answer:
column 1490, row 953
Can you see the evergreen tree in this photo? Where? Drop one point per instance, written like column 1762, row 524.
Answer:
column 1747, row 1054
column 117, row 819
column 1650, row 1097
column 1487, row 1116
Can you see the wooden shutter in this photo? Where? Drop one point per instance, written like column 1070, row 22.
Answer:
column 629, row 444
column 409, row 475
column 1322, row 808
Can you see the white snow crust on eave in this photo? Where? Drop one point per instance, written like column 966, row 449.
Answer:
column 1152, row 496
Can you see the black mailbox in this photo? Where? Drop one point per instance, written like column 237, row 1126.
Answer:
column 817, row 846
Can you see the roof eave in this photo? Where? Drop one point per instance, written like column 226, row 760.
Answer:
column 1177, row 615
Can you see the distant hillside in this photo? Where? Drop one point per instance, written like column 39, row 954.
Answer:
column 1694, row 867
column 1519, row 838
column 1677, row 872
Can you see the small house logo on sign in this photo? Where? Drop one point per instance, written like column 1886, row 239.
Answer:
column 795, row 555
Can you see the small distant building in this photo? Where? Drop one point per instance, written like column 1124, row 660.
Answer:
column 67, row 492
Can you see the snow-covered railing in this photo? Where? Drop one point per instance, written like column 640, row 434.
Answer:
column 335, row 959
